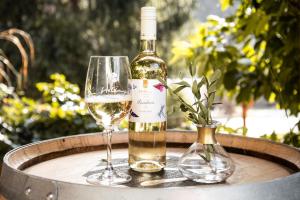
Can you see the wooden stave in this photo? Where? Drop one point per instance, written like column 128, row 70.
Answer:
column 62, row 189
column 286, row 188
column 178, row 137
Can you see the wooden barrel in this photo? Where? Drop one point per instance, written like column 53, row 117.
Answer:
column 56, row 170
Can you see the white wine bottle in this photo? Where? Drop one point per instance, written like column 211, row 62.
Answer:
column 147, row 119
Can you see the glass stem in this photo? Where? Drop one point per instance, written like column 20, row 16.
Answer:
column 108, row 146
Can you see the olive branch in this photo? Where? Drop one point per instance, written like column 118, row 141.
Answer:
column 200, row 111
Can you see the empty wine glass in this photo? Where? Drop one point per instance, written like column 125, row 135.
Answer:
column 108, row 98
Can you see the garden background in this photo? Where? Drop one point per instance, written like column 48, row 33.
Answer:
column 45, row 48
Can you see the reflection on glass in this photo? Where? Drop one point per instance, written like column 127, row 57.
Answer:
column 108, row 97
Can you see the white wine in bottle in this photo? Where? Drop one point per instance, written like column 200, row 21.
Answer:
column 147, row 121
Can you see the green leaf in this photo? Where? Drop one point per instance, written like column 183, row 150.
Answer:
column 245, row 130
column 244, row 94
column 231, row 79
column 203, row 108
column 58, row 77
column 212, row 88
column 209, row 119
column 41, row 86
column 179, row 89
column 192, row 120
column 201, row 120
column 195, row 90
column 180, row 75
column 183, row 83
column 233, row 50
column 228, row 129
column 191, row 69
column 204, row 158
column 207, row 156
column 210, row 100
column 192, row 116
column 187, row 105
column 164, row 82
column 200, row 84
column 191, row 109
column 225, row 4
column 206, row 81
column 183, row 108
column 216, row 76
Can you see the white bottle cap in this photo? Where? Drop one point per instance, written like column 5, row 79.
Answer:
column 148, row 23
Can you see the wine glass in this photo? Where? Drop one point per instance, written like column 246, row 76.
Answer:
column 108, row 98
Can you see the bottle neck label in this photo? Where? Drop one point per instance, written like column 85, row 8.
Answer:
column 148, row 29
column 148, row 101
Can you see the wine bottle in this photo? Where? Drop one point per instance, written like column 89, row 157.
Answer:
column 147, row 119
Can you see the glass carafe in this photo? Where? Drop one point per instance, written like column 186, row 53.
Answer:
column 206, row 161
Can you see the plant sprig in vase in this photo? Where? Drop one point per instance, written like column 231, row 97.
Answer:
column 199, row 112
column 205, row 161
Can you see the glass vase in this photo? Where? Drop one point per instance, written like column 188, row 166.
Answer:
column 206, row 161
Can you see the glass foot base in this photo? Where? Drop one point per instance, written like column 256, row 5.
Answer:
column 146, row 166
column 208, row 177
column 203, row 180
column 108, row 177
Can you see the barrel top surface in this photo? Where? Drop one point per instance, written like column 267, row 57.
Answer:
column 70, row 160
column 75, row 168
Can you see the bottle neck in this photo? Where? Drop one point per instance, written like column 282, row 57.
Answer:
column 148, row 46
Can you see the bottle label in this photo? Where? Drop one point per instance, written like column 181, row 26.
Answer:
column 148, row 101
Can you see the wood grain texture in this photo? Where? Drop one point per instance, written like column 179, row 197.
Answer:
column 74, row 168
column 34, row 153
column 69, row 160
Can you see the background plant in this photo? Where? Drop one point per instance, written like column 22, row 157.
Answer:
column 59, row 111
column 257, row 49
column 67, row 32
column 12, row 74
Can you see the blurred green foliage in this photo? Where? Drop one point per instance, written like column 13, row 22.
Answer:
column 67, row 32
column 225, row 129
column 291, row 138
column 60, row 111
column 257, row 49
column 273, row 136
